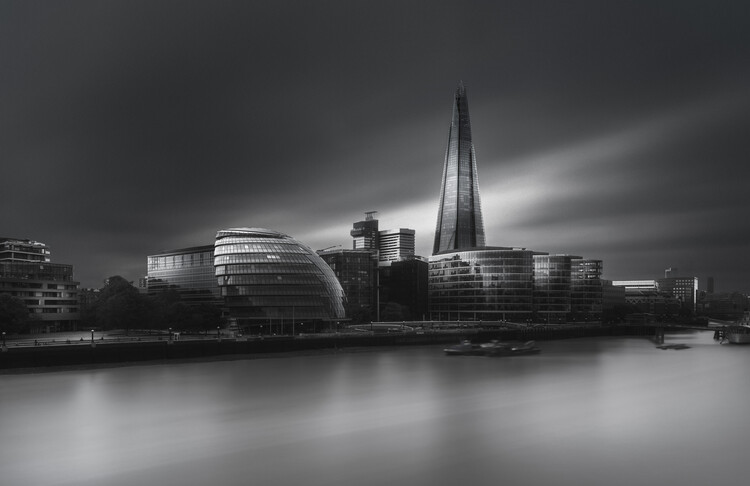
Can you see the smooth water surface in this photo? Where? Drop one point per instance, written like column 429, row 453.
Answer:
column 615, row 411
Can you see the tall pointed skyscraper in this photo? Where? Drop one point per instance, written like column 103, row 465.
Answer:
column 459, row 223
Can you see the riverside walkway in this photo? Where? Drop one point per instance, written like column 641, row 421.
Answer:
column 85, row 347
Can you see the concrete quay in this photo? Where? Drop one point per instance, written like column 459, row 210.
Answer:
column 50, row 351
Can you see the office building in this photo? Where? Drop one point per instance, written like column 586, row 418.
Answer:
column 189, row 271
column 385, row 248
column 47, row 289
column 490, row 284
column 586, row 290
column 459, row 223
column 552, row 289
column 268, row 278
column 645, row 296
column 365, row 233
column 395, row 245
column 684, row 289
column 403, row 290
column 356, row 271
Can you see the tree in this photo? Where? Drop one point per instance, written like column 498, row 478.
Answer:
column 120, row 306
column 14, row 315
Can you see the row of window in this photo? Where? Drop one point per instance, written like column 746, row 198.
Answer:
column 229, row 280
column 266, row 269
column 261, row 258
column 271, row 248
column 180, row 261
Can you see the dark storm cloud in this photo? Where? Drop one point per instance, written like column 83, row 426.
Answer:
column 132, row 127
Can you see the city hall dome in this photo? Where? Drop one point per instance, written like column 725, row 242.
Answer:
column 269, row 278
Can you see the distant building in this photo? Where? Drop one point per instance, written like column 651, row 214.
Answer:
column 552, row 287
column 385, row 247
column 403, row 283
column 395, row 245
column 365, row 233
column 684, row 289
column 724, row 306
column 189, row 271
column 48, row 289
column 647, row 298
column 586, row 289
column 267, row 278
column 612, row 296
column 357, row 272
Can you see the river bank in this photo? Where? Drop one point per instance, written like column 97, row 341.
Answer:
column 53, row 353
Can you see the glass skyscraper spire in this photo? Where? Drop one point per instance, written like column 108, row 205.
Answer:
column 459, row 223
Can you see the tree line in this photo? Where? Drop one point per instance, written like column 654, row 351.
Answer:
column 119, row 305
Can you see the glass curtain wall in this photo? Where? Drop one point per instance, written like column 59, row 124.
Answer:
column 491, row 284
column 269, row 279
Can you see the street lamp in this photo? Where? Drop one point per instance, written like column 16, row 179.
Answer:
column 92, row 336
column 4, row 348
column 218, row 334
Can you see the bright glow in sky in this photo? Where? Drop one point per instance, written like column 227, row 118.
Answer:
column 611, row 131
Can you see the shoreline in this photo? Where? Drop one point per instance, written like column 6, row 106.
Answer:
column 116, row 353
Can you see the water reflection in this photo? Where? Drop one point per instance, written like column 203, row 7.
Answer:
column 584, row 412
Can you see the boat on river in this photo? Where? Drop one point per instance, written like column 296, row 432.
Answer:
column 464, row 348
column 674, row 346
column 493, row 348
column 508, row 349
column 737, row 334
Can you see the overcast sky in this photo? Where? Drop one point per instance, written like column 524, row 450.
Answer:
column 616, row 130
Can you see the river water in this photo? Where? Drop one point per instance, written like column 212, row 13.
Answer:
column 614, row 411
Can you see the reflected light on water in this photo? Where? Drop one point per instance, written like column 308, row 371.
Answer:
column 584, row 412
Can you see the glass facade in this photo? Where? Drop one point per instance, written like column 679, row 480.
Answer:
column 356, row 271
column 586, row 290
column 459, row 223
column 552, row 288
column 268, row 277
column 490, row 284
column 189, row 271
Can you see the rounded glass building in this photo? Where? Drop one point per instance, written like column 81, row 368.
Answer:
column 270, row 279
column 489, row 284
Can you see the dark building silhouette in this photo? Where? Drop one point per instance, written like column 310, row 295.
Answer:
column 47, row 289
column 459, row 223
column 365, row 233
column 403, row 290
column 356, row 271
column 586, row 289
